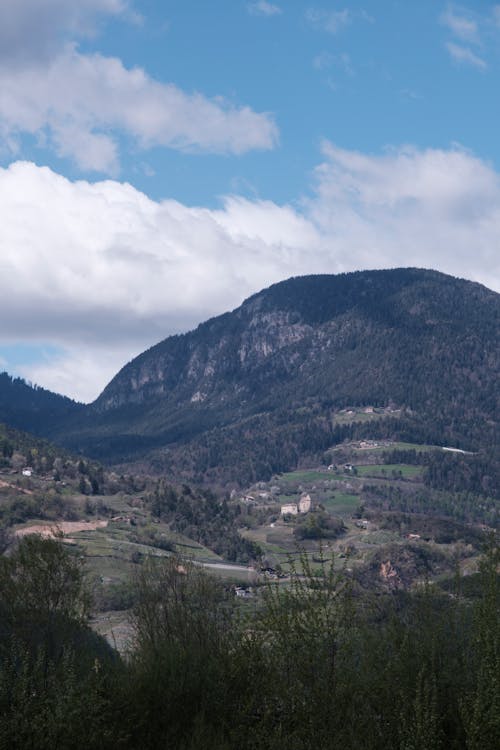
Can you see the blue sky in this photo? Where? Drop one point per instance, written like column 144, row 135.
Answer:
column 160, row 161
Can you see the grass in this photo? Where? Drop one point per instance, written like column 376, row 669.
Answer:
column 381, row 537
column 119, row 503
column 357, row 416
column 419, row 448
column 305, row 476
column 109, row 552
column 386, row 470
column 342, row 503
column 231, row 576
column 274, row 540
column 309, row 476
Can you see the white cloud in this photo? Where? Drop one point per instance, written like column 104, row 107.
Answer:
column 329, row 20
column 78, row 369
column 263, row 8
column 100, row 271
column 32, row 29
column 432, row 208
column 465, row 56
column 461, row 26
column 101, row 267
column 471, row 31
column 80, row 103
column 334, row 21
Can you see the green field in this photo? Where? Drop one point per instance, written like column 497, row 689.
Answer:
column 397, row 446
column 386, row 470
column 109, row 551
column 342, row 503
column 357, row 416
column 309, row 475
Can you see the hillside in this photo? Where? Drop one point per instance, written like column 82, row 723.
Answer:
column 32, row 408
column 259, row 389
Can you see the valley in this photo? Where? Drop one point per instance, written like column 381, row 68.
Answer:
column 371, row 510
column 271, row 520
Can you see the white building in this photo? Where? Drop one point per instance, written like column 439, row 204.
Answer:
column 305, row 503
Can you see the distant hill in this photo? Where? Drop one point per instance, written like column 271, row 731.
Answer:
column 32, row 408
column 415, row 353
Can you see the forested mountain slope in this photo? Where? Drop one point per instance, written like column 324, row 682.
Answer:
column 261, row 386
column 32, row 408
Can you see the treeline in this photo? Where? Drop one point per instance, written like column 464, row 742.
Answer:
column 453, row 471
column 310, row 666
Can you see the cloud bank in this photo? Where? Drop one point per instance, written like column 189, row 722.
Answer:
column 101, row 271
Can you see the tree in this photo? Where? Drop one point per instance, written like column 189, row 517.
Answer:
column 481, row 710
column 57, row 677
column 302, row 630
column 180, row 605
column 43, row 594
column 184, row 637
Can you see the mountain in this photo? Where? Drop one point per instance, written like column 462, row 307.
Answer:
column 413, row 354
column 32, row 408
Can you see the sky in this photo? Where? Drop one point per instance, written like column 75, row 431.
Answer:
column 162, row 160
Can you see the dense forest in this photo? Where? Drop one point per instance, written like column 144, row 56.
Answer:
column 32, row 408
column 311, row 664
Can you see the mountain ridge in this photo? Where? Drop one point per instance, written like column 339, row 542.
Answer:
column 292, row 355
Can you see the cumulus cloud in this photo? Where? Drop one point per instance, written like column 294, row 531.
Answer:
column 101, row 267
column 79, row 102
column 101, row 271
column 432, row 208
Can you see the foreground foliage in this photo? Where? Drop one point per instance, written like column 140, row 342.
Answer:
column 307, row 664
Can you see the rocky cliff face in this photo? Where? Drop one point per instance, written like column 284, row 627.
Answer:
column 195, row 363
